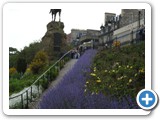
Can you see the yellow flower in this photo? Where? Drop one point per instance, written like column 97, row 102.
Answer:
column 141, row 71
column 87, row 82
column 93, row 74
column 85, row 90
column 117, row 63
column 130, row 80
column 98, row 81
column 135, row 74
column 131, row 67
column 105, row 71
column 125, row 76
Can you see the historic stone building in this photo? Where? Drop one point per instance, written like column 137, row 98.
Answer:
column 76, row 33
column 80, row 36
column 116, row 27
column 129, row 16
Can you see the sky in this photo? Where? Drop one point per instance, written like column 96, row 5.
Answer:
column 24, row 23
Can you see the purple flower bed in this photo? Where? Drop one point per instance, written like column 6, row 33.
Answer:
column 69, row 93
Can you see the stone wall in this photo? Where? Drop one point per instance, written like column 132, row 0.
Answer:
column 129, row 16
column 75, row 33
column 127, row 30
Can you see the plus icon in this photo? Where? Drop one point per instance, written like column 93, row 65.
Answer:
column 147, row 99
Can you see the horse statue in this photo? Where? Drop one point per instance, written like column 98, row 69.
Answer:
column 54, row 12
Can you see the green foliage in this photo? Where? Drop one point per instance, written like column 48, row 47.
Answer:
column 29, row 52
column 13, row 56
column 54, row 72
column 13, row 50
column 44, row 83
column 21, row 65
column 119, row 72
column 13, row 73
column 39, row 62
column 16, row 84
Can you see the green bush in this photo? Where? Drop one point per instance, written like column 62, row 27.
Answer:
column 13, row 73
column 39, row 62
column 44, row 83
column 16, row 85
column 119, row 72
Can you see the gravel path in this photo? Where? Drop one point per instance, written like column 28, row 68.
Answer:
column 67, row 67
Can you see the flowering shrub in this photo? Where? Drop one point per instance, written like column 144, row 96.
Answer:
column 71, row 92
column 12, row 71
column 119, row 73
column 13, row 74
column 116, row 44
column 39, row 61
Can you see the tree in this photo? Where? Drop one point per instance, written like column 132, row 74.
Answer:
column 21, row 65
column 29, row 52
column 13, row 55
column 13, row 50
column 39, row 62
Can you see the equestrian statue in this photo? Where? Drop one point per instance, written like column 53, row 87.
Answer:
column 54, row 12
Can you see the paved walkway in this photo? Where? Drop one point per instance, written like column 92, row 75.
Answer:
column 67, row 67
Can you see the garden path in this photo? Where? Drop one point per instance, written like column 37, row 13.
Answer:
column 67, row 67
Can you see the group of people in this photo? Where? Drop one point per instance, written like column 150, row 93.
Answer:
column 77, row 52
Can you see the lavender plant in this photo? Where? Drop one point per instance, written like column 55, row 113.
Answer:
column 71, row 93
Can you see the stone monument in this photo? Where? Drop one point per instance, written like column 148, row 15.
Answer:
column 54, row 41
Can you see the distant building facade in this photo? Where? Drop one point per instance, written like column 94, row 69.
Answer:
column 76, row 33
column 78, row 36
column 129, row 16
column 129, row 21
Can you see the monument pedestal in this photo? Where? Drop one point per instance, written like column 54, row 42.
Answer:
column 53, row 41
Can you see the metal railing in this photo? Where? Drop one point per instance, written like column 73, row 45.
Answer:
column 28, row 96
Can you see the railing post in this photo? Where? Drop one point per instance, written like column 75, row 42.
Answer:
column 49, row 76
column 27, row 97
column 31, row 93
column 60, row 64
column 38, row 88
column 58, row 67
column 22, row 100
